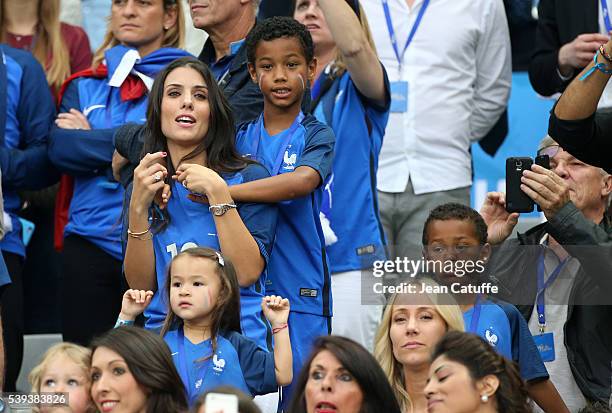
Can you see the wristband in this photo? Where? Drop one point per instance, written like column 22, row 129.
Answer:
column 277, row 329
column 602, row 52
column 597, row 66
column 122, row 323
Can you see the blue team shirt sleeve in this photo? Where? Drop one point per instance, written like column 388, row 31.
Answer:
column 80, row 152
column 257, row 364
column 524, row 350
column 259, row 218
column 28, row 166
column 318, row 150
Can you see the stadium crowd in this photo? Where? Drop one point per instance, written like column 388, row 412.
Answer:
column 201, row 225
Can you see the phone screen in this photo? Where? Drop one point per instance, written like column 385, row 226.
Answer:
column 221, row 403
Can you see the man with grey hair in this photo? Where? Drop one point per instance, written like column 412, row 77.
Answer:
column 559, row 273
column 227, row 23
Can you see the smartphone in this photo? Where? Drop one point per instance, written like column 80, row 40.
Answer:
column 221, row 403
column 544, row 162
column 516, row 199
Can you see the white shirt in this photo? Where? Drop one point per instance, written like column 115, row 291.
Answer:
column 458, row 68
column 556, row 298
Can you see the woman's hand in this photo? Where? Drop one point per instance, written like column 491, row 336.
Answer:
column 134, row 303
column 72, row 120
column 276, row 309
column 203, row 181
column 149, row 182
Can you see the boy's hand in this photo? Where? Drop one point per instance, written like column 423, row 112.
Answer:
column 276, row 309
column 500, row 222
column 134, row 303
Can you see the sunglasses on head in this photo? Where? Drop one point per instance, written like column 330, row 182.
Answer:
column 550, row 150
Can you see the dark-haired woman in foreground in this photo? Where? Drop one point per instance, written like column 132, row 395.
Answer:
column 132, row 372
column 467, row 375
column 342, row 376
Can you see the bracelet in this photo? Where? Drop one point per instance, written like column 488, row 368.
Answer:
column 143, row 236
column 597, row 66
column 121, row 323
column 277, row 329
column 602, row 51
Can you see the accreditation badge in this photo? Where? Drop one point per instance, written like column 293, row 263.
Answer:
column 546, row 346
column 399, row 96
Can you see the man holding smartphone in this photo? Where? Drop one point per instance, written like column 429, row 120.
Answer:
column 558, row 273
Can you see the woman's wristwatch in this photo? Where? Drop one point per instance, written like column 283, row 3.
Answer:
column 220, row 209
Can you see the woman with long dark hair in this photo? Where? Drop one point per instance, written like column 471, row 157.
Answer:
column 342, row 375
column 181, row 198
column 132, row 372
column 467, row 375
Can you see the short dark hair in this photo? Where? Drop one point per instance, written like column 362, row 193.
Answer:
column 459, row 212
column 377, row 393
column 481, row 360
column 275, row 28
column 148, row 359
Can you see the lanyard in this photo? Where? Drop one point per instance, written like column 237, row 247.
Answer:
column 287, row 139
column 606, row 15
column 182, row 367
column 399, row 56
column 542, row 287
column 475, row 316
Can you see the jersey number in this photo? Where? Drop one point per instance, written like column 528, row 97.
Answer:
column 173, row 251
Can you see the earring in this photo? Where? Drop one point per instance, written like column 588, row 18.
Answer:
column 165, row 27
column 484, row 398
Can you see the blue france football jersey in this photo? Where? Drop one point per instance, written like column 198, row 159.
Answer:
column 350, row 199
column 298, row 267
column 503, row 326
column 237, row 362
column 191, row 225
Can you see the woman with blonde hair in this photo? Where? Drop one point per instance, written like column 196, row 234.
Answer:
column 143, row 38
column 34, row 25
column 411, row 326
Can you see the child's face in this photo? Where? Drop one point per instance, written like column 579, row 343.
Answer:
column 454, row 241
column 194, row 288
column 63, row 375
column 281, row 71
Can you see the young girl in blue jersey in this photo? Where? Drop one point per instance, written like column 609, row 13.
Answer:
column 142, row 38
column 297, row 150
column 455, row 233
column 202, row 327
column 351, row 95
column 181, row 196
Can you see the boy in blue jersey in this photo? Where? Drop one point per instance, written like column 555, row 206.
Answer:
column 297, row 150
column 455, row 236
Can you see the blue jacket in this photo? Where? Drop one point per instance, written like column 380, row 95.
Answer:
column 26, row 114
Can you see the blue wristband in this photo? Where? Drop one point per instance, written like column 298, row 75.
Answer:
column 598, row 66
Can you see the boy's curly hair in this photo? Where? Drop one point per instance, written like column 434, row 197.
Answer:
column 276, row 28
column 459, row 212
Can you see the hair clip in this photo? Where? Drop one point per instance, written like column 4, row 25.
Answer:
column 220, row 259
